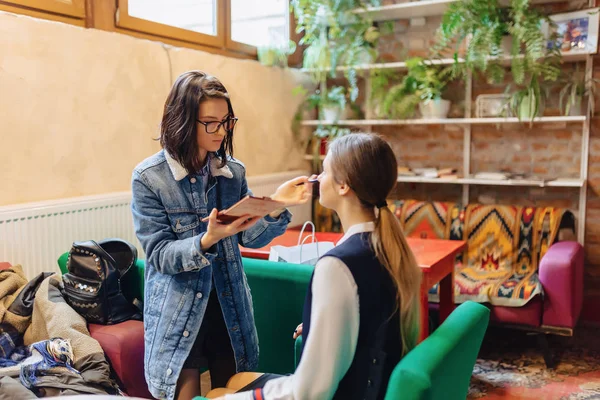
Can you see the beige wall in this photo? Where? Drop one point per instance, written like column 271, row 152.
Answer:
column 79, row 108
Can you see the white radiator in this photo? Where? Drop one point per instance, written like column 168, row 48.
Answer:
column 36, row 234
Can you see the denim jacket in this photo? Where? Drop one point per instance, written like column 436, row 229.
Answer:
column 168, row 207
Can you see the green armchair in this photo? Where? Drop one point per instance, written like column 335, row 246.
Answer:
column 440, row 367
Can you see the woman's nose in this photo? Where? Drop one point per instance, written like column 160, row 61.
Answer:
column 221, row 131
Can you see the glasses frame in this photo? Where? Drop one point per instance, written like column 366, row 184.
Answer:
column 234, row 119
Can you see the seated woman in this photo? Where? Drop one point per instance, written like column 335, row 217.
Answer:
column 361, row 310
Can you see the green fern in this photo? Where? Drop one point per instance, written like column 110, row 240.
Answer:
column 486, row 24
column 381, row 81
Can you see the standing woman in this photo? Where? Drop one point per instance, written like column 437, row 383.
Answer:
column 197, row 304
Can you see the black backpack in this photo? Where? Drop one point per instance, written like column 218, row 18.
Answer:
column 93, row 284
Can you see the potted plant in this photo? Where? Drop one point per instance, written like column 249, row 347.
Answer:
column 275, row 56
column 528, row 102
column 422, row 86
column 332, row 103
column 575, row 88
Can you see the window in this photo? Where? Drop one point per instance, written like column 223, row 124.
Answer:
column 71, row 8
column 260, row 22
column 236, row 25
column 195, row 21
column 194, row 15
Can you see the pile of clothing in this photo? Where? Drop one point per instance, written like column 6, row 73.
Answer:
column 45, row 346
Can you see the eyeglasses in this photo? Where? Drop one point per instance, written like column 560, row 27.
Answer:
column 214, row 126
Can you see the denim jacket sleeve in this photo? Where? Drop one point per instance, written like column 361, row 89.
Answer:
column 264, row 230
column 164, row 251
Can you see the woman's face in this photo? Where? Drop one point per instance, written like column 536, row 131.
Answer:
column 211, row 111
column 328, row 188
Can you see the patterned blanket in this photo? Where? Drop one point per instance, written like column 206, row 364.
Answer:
column 423, row 219
column 504, row 246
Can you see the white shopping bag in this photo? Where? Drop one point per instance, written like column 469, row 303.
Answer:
column 303, row 253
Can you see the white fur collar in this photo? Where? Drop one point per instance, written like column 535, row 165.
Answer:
column 179, row 172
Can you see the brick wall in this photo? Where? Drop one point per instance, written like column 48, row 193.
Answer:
column 545, row 150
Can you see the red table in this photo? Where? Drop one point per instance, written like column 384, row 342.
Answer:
column 435, row 258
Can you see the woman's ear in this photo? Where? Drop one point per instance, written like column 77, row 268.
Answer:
column 344, row 189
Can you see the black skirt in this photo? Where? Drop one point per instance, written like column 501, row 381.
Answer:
column 213, row 342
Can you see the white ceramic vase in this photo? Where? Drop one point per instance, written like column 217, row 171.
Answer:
column 434, row 109
column 331, row 113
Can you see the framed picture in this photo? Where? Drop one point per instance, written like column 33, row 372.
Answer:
column 577, row 32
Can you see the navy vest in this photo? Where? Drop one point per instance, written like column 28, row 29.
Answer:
column 377, row 350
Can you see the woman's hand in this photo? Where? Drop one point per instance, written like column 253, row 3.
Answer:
column 292, row 193
column 298, row 331
column 217, row 231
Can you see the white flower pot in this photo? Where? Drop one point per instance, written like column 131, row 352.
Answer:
column 434, row 109
column 331, row 113
column 526, row 110
column 575, row 109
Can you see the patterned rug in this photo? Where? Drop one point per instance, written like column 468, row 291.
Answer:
column 511, row 366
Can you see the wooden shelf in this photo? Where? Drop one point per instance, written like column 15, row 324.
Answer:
column 417, row 9
column 561, row 182
column 408, row 10
column 446, row 121
column 401, row 65
column 576, row 183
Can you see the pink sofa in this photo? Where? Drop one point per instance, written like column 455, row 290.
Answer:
column 546, row 285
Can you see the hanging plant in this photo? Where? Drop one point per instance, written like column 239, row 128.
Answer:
column 486, row 24
column 336, row 35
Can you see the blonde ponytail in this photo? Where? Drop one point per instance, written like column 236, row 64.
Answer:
column 395, row 255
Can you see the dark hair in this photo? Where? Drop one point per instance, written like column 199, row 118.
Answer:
column 367, row 164
column 178, row 125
